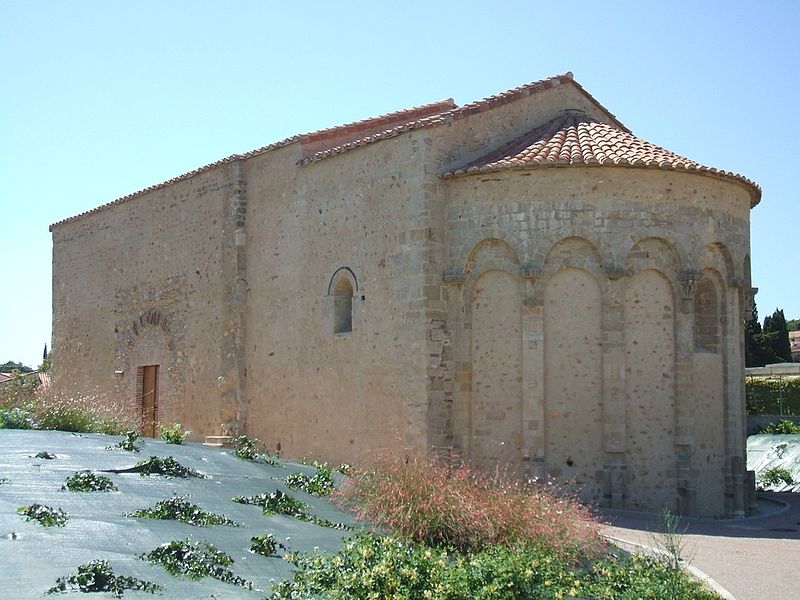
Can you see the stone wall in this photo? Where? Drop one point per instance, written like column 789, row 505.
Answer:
column 625, row 368
column 144, row 282
column 582, row 323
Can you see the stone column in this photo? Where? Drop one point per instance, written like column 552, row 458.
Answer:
column 533, row 382
column 735, row 420
column 686, row 476
column 614, row 428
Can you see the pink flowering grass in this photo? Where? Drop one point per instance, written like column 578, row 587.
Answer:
column 429, row 500
column 83, row 414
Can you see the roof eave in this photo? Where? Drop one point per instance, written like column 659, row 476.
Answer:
column 753, row 189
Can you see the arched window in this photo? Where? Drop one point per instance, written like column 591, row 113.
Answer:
column 342, row 305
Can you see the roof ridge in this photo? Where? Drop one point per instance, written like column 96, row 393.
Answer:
column 300, row 137
column 460, row 112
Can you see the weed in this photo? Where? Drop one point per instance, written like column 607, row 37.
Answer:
column 46, row 516
column 178, row 509
column 98, row 576
column 86, row 481
column 669, row 542
column 131, row 443
column 195, row 561
column 266, row 545
column 174, row 434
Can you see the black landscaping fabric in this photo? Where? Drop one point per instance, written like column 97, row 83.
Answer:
column 32, row 557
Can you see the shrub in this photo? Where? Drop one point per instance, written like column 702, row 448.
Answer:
column 98, row 576
column 46, row 516
column 773, row 477
column 16, row 418
column 174, row 434
column 777, row 395
column 19, row 392
column 370, row 567
column 178, row 509
column 784, row 426
column 86, row 481
column 424, row 499
column 195, row 561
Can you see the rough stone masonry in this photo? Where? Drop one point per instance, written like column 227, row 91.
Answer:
column 520, row 279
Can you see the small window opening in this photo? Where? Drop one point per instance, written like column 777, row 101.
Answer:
column 343, row 306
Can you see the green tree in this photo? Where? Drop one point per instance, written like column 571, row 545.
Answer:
column 9, row 366
column 793, row 324
column 47, row 360
column 779, row 342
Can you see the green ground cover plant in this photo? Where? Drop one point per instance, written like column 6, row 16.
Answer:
column 178, row 509
column 174, row 434
column 458, row 535
column 86, row 481
column 195, row 560
column 265, row 545
column 155, row 465
column 46, row 516
column 246, row 448
column 774, row 476
column 130, row 443
column 277, row 502
column 98, row 576
column 370, row 566
column 319, row 484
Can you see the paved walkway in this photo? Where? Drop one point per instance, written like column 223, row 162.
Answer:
column 754, row 559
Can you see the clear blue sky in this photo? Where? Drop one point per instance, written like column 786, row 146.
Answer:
column 100, row 99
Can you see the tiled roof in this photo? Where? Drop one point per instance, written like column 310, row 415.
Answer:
column 576, row 139
column 460, row 112
column 350, row 130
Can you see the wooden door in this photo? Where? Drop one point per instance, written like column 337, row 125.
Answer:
column 149, row 399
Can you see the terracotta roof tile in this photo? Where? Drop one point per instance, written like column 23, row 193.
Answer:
column 458, row 112
column 353, row 129
column 576, row 139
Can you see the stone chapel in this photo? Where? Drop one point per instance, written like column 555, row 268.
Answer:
column 521, row 279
